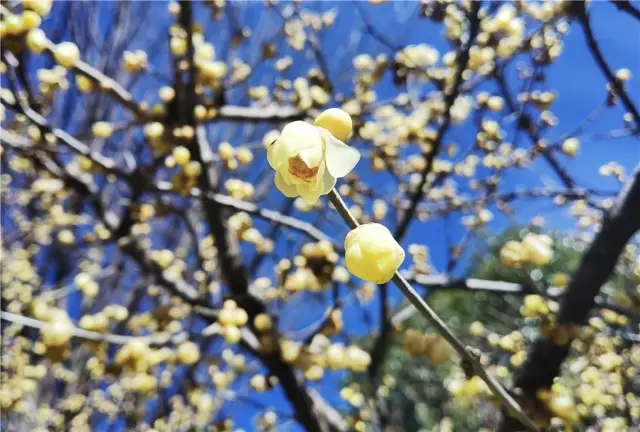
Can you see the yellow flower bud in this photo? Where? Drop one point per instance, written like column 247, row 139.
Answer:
column 513, row 254
column 66, row 237
column 262, row 322
column 36, row 40
column 538, row 248
column 91, row 289
column 564, row 407
column 84, row 84
column 534, row 305
column 258, row 383
column 226, row 151
column 181, row 155
column 232, row 334
column 193, row 169
column 14, row 24
column 47, row 185
column 66, row 54
column 290, row 350
column 308, row 159
column 178, row 46
column 102, row 129
column 41, row 7
column 166, row 93
column 244, row 155
column 560, row 280
column 437, row 349
column 57, row 333
column 357, row 359
column 372, row 253
column 335, row 121
column 213, row 70
column 153, row 130
column 188, row 353
column 571, row 146
column 314, row 373
column 240, row 317
column 623, row 74
column 30, row 20
column 336, row 356
column 476, row 329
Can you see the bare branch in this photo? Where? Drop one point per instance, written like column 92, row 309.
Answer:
column 545, row 357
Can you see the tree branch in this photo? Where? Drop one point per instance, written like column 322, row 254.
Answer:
column 468, row 356
column 626, row 6
column 545, row 357
column 462, row 61
column 580, row 11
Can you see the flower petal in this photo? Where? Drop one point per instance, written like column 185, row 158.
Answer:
column 271, row 157
column 297, row 136
column 309, row 193
column 328, row 182
column 288, row 190
column 340, row 158
column 311, row 156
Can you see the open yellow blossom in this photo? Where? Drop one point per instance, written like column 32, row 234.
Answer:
column 308, row 160
column 372, row 253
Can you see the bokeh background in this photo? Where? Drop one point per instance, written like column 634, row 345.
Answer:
column 287, row 61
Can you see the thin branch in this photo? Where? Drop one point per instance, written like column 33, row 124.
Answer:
column 371, row 30
column 95, row 336
column 466, row 353
column 105, row 83
column 462, row 60
column 271, row 215
column 260, row 114
column 439, row 282
column 583, row 16
column 627, row 7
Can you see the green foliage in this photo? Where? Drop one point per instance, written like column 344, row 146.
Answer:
column 420, row 395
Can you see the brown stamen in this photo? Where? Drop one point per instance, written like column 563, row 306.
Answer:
column 299, row 169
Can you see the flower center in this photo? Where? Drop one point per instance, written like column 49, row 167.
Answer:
column 299, row 169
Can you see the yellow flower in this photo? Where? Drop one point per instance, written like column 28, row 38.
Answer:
column 571, row 146
column 308, row 159
column 513, row 254
column 67, row 54
column 372, row 253
column 538, row 248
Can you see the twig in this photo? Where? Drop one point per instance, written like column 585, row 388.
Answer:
column 425, row 310
column 462, row 60
column 95, row 336
column 626, row 6
column 253, row 209
column 434, row 282
column 583, row 16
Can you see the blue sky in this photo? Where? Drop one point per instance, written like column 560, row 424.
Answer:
column 581, row 88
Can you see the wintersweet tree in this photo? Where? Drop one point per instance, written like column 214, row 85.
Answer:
column 224, row 216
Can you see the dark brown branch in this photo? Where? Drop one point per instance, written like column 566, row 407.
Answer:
column 545, row 357
column 626, row 6
column 462, row 60
column 307, row 411
column 526, row 122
